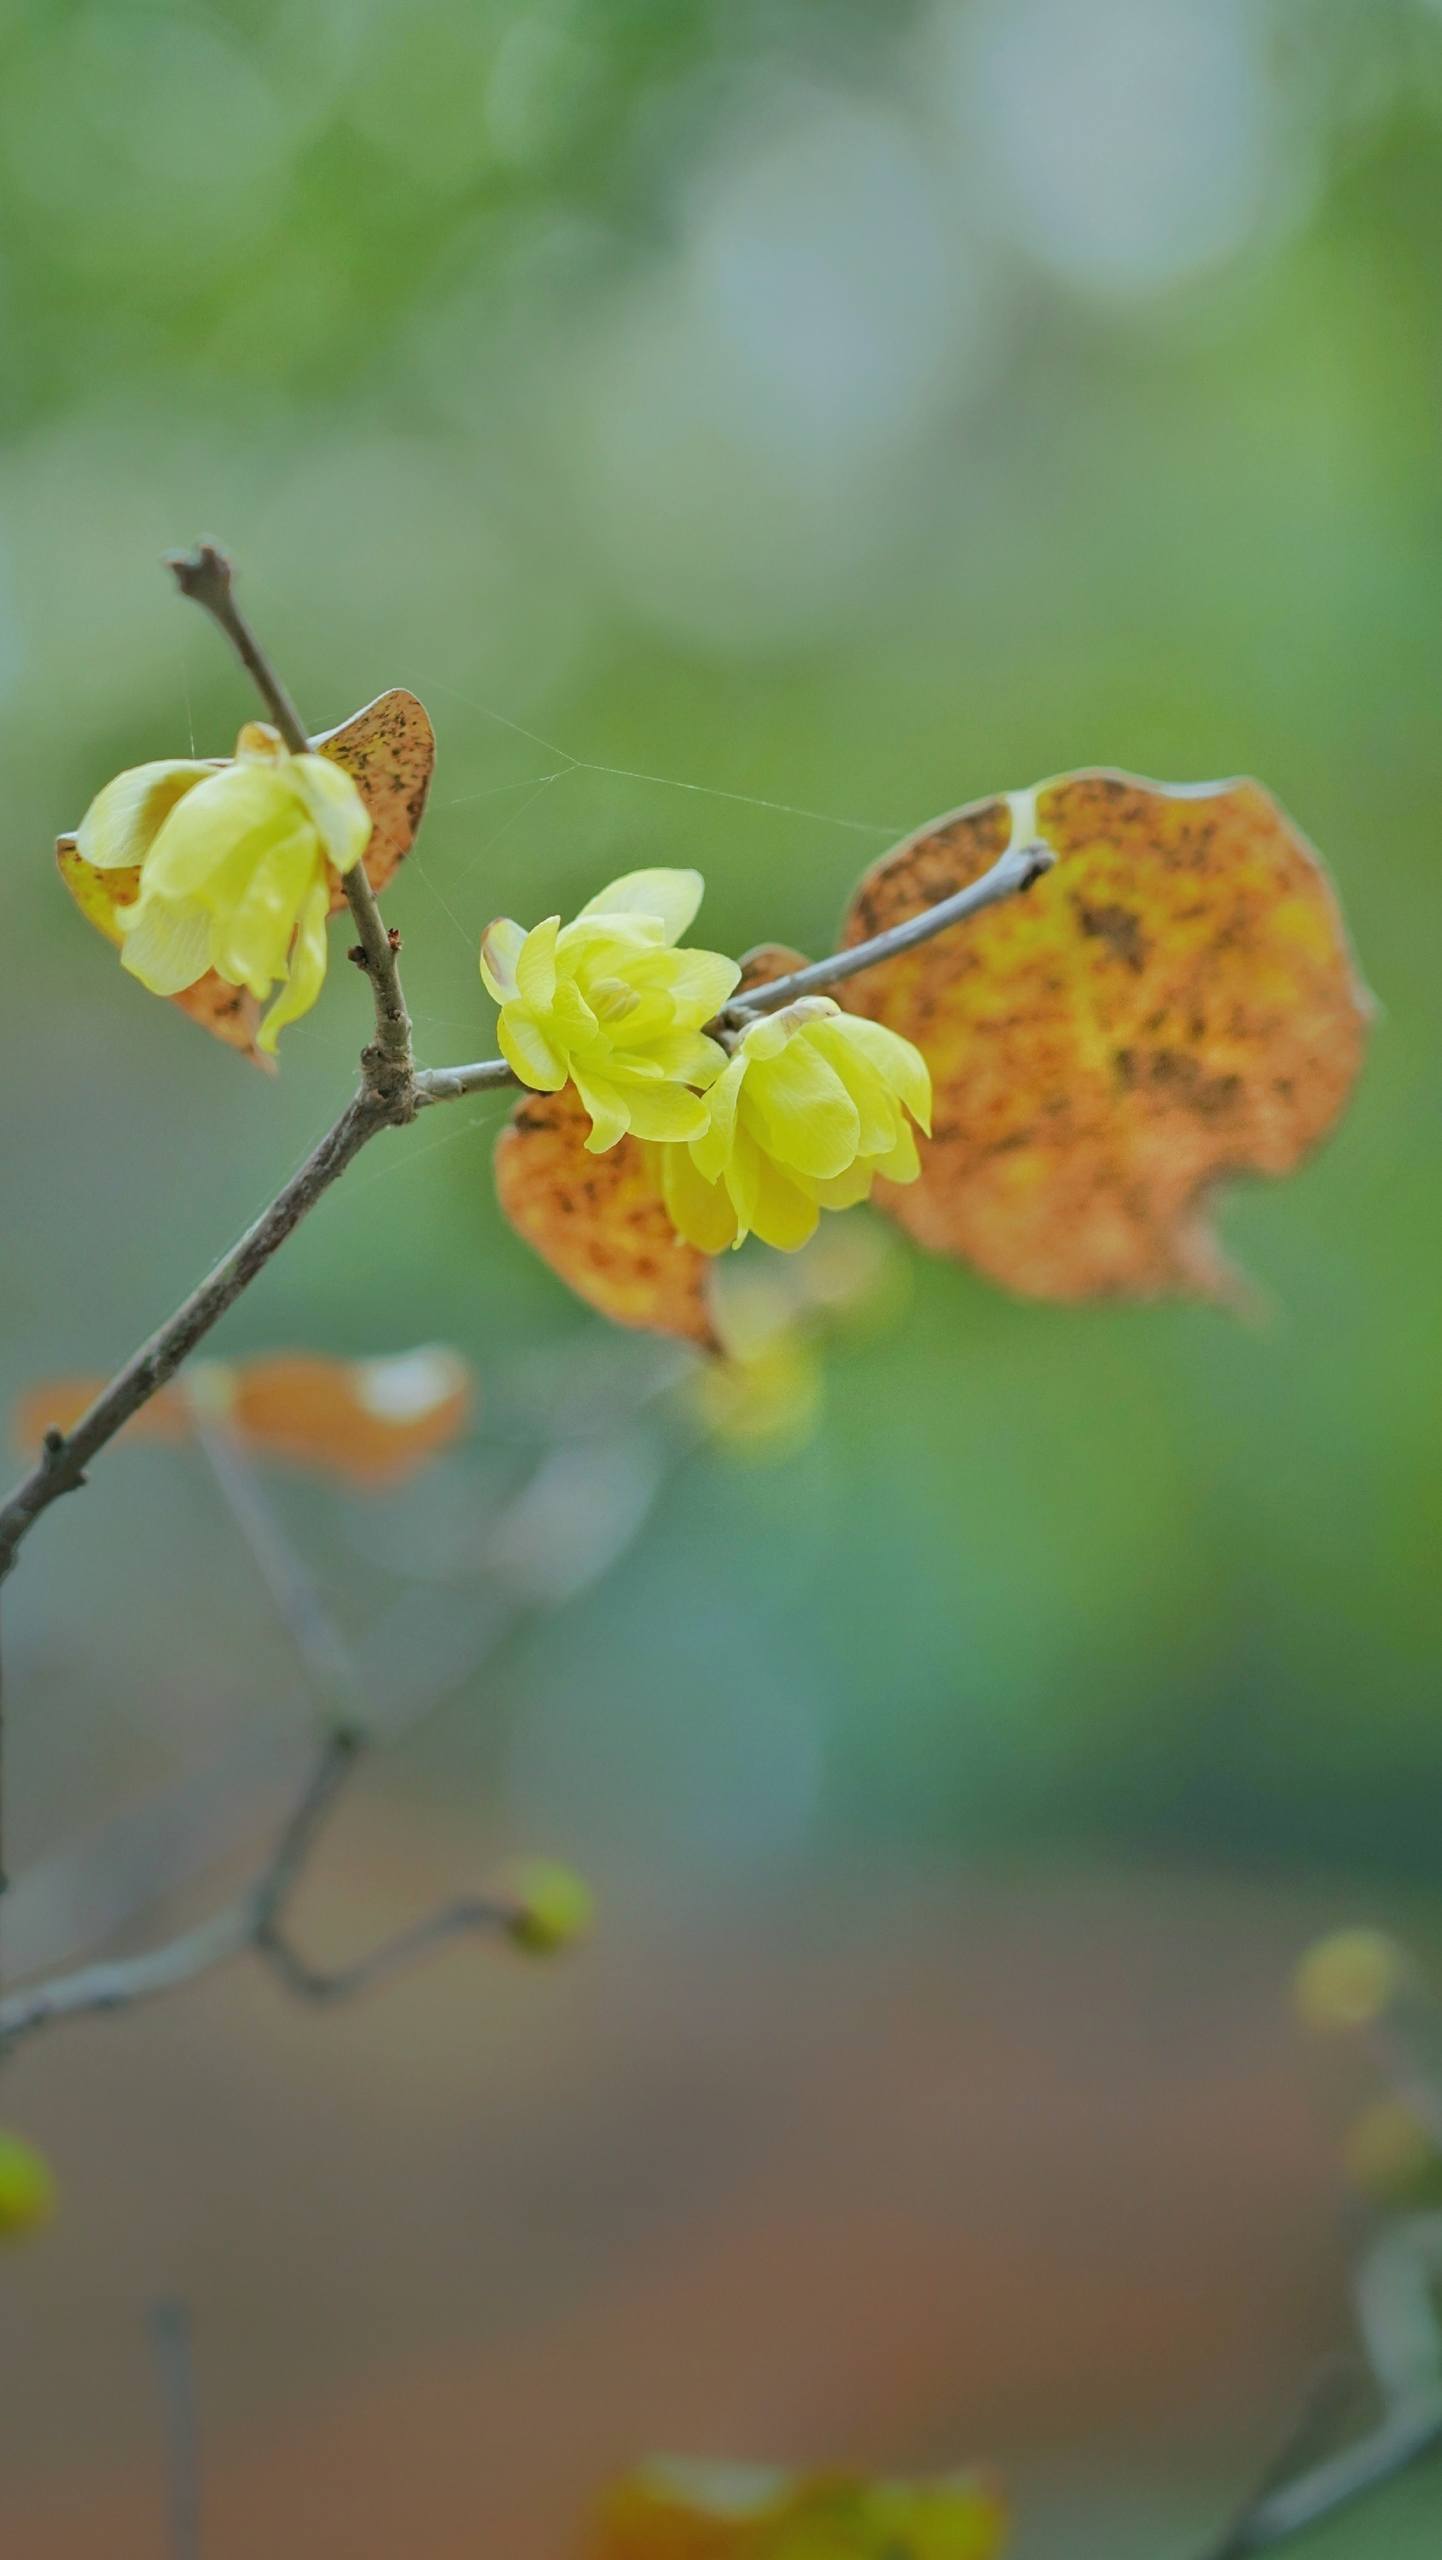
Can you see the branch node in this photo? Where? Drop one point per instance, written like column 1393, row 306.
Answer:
column 203, row 573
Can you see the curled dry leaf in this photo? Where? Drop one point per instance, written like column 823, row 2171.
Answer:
column 598, row 1220
column 1174, row 1002
column 389, row 750
column 691, row 2512
column 367, row 1422
column 767, row 962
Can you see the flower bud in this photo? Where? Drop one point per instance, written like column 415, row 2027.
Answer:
column 551, row 1907
column 27, row 2188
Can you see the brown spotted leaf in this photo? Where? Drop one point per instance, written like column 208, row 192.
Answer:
column 367, row 1422
column 687, row 2511
column 389, row 751
column 599, row 1221
column 766, row 963
column 1173, row 1003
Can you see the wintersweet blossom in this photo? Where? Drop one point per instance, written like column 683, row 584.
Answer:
column 237, row 865
column 609, row 1004
column 810, row 1109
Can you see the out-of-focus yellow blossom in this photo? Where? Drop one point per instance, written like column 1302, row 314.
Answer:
column 811, row 1108
column 27, row 2188
column 610, row 1005
column 764, row 1402
column 552, row 1907
column 1393, row 2156
column 695, row 2512
column 1349, row 1979
column 237, row 863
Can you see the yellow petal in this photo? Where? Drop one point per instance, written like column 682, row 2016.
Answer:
column 806, row 1117
column 783, row 1214
column 307, row 968
column 230, row 817
column 123, row 820
column 664, row 1111
column 167, row 943
column 610, row 1110
column 251, row 934
column 896, row 1060
column 689, row 1057
column 536, row 964
column 713, row 1148
column 529, row 1050
column 700, row 1211
column 697, row 982
column 335, row 807
column 671, row 897
column 877, row 1105
column 500, row 950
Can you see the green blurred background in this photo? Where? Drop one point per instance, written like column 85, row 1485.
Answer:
column 750, row 427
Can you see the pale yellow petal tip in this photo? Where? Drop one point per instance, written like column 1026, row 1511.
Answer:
column 1350, row 1979
column 28, row 2192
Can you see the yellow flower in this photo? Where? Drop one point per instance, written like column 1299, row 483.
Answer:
column 808, row 1112
column 610, row 1005
column 236, row 868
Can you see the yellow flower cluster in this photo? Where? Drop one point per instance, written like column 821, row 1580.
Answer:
column 237, row 864
column 801, row 1114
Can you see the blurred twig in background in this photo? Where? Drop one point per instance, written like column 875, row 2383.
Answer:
column 173, row 2341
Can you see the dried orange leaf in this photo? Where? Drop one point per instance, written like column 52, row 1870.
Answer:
column 371, row 1422
column 599, row 1220
column 389, row 751
column 689, row 2512
column 58, row 1403
column 1174, row 1002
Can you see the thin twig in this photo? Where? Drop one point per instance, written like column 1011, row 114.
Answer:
column 465, row 1917
column 65, row 1456
column 1013, row 872
column 206, row 575
column 1009, row 876
column 172, row 2338
column 331, row 1667
column 1394, row 2286
column 253, row 1924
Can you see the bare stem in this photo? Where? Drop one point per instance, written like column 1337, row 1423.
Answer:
column 254, row 1924
column 332, row 1671
column 1012, row 873
column 172, row 2339
column 65, row 1456
column 1395, row 2291
column 206, row 575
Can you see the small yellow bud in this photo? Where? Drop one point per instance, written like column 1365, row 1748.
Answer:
column 27, row 2188
column 552, row 1907
column 1392, row 2156
column 1349, row 1979
column 763, row 1403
